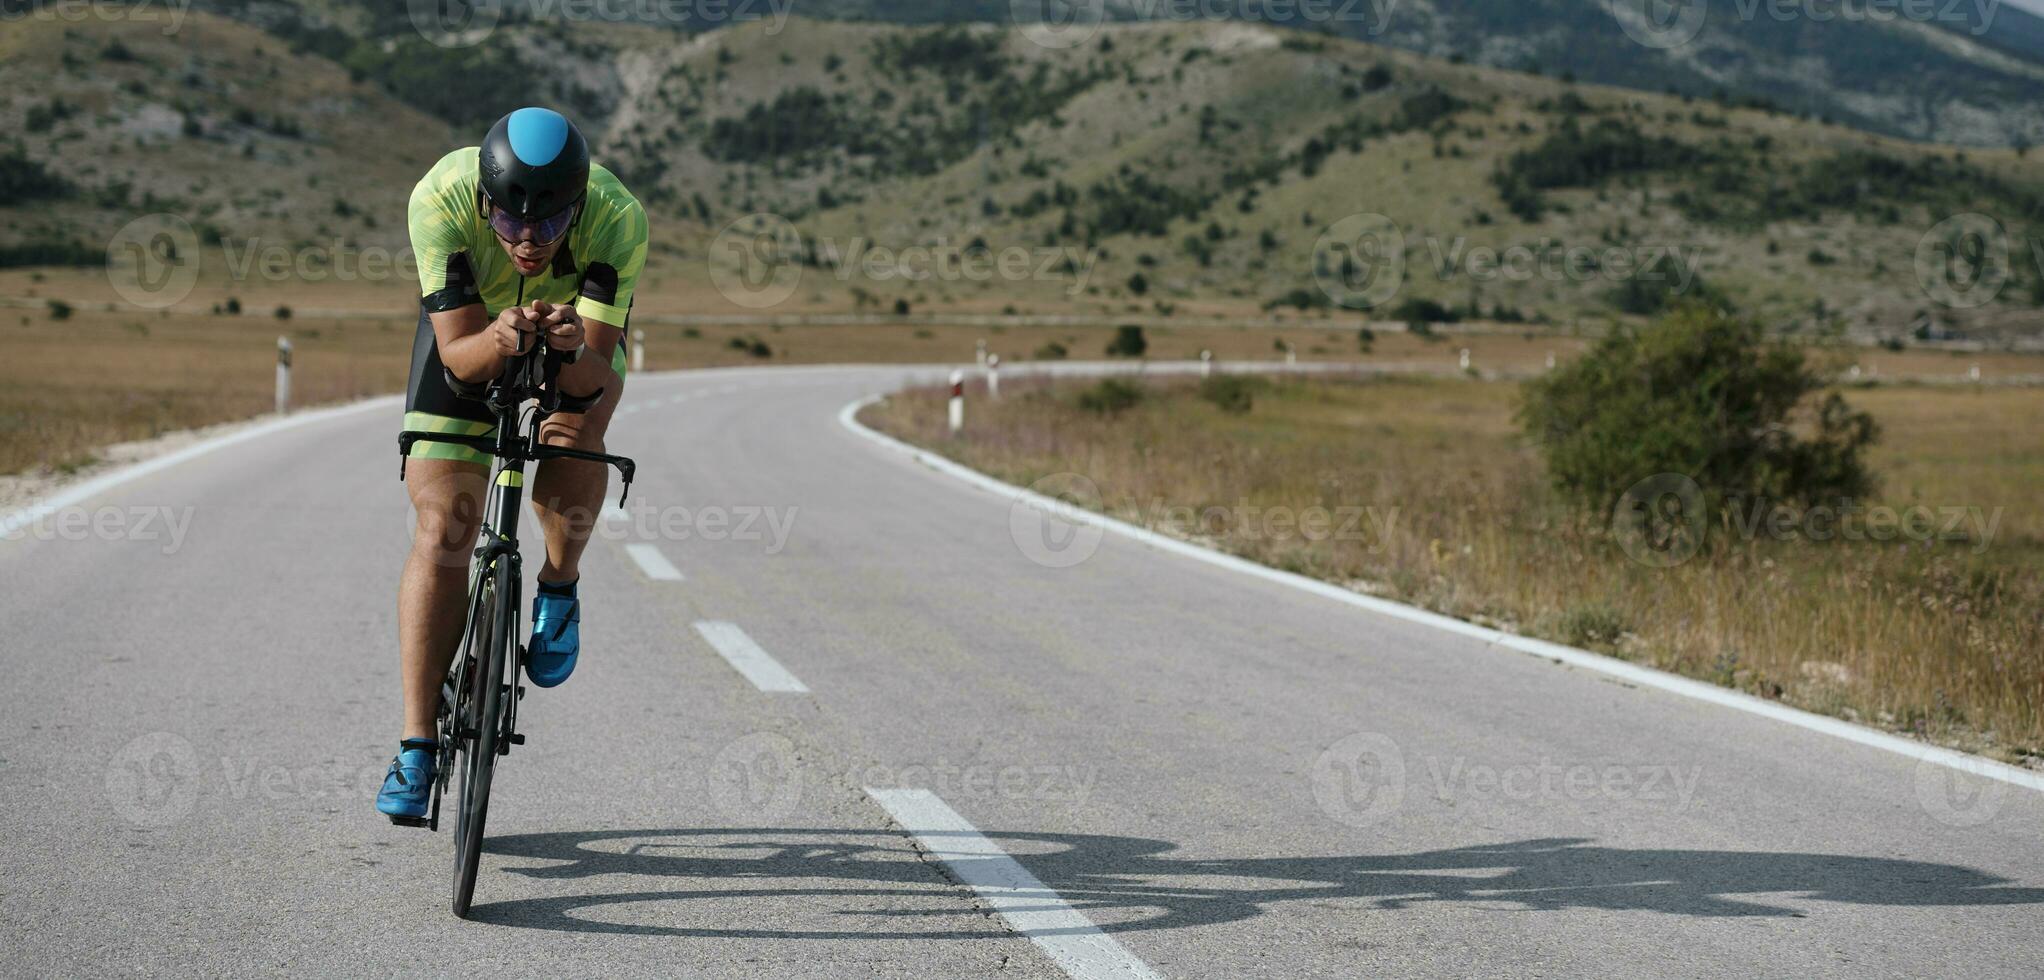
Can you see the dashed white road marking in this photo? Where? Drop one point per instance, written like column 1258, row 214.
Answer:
column 747, row 658
column 1030, row 907
column 653, row 563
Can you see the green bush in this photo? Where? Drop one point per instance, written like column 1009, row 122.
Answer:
column 23, row 179
column 1052, row 351
column 1128, row 341
column 1593, row 625
column 59, row 310
column 1112, row 396
column 1415, row 311
column 1703, row 394
column 34, row 253
column 1231, row 393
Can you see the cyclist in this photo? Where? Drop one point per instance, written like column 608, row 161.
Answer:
column 519, row 241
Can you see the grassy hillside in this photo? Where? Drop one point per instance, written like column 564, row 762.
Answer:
column 1159, row 168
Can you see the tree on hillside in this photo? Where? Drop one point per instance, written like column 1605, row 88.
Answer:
column 1706, row 395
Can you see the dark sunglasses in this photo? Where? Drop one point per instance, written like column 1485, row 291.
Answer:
column 541, row 232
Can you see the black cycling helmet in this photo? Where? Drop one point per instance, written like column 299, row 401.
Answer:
column 534, row 164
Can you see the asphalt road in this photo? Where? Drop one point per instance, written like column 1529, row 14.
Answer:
column 990, row 758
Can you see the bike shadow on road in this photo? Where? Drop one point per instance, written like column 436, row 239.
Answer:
column 1132, row 883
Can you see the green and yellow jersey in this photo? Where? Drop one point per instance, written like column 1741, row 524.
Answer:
column 461, row 263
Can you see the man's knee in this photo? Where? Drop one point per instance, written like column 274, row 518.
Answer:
column 444, row 537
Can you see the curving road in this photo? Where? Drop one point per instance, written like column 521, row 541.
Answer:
column 834, row 719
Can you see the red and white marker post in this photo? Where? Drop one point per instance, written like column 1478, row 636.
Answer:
column 283, row 375
column 957, row 402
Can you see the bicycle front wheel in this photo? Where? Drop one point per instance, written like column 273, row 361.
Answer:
column 489, row 639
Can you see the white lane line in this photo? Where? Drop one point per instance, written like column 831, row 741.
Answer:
column 1030, row 907
column 747, row 658
column 1972, row 765
column 653, row 563
column 78, row 493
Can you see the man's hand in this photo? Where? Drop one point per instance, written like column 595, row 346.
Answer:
column 561, row 325
column 513, row 331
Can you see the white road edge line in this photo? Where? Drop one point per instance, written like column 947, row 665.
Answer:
column 747, row 658
column 1029, row 906
column 89, row 489
column 653, row 563
column 1633, row 673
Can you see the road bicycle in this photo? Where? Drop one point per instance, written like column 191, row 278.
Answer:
column 479, row 700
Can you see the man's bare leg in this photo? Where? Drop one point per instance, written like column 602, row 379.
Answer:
column 567, row 494
column 448, row 496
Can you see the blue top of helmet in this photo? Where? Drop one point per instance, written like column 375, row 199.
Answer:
column 537, row 135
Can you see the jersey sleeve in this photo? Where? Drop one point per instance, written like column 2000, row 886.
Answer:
column 618, row 256
column 446, row 275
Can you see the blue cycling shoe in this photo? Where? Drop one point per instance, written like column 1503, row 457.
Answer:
column 408, row 787
column 556, row 636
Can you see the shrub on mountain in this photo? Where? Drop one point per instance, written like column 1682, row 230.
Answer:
column 1703, row 394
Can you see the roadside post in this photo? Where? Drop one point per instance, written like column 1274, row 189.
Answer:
column 1206, row 364
column 957, row 402
column 1465, row 358
column 283, row 375
column 993, row 375
column 981, row 347
column 638, row 352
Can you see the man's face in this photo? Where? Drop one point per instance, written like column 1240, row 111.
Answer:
column 529, row 259
column 531, row 244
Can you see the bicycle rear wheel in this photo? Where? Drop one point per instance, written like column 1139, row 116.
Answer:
column 479, row 726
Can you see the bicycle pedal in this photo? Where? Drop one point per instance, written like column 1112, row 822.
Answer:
column 521, row 692
column 517, row 738
column 407, row 821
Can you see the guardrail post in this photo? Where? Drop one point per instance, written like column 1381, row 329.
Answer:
column 1206, row 364
column 993, row 375
column 981, row 353
column 283, row 375
column 957, row 402
column 638, row 352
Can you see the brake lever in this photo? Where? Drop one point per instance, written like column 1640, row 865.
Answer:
column 626, row 468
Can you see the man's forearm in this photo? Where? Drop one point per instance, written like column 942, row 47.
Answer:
column 474, row 358
column 589, row 372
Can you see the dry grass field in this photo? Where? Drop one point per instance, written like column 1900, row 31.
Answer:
column 1431, row 497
